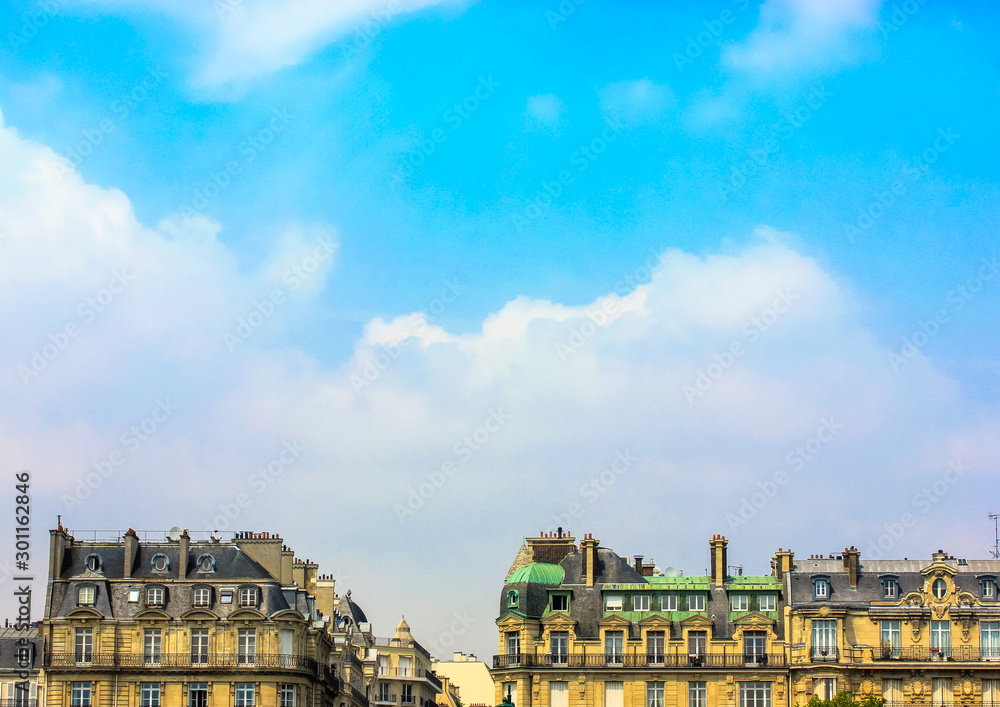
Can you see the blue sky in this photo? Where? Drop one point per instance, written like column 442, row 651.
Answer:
column 486, row 178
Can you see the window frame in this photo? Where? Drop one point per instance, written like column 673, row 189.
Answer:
column 614, row 601
column 563, row 600
column 85, row 688
column 246, row 694
column 204, row 592
column 821, row 587
column 760, row 690
column 939, row 584
column 655, row 693
column 83, row 645
column 890, row 587
column 156, row 603
column 195, row 689
column 512, row 599
column 92, row 588
column 152, row 646
column 149, row 694
column 98, row 564
column 559, row 657
column 772, row 602
column 697, row 693
column 988, row 588
column 638, row 599
column 611, row 638
column 744, row 604
column 249, row 597
column 656, row 647
column 668, row 602
column 154, row 563
column 199, row 649
column 699, row 599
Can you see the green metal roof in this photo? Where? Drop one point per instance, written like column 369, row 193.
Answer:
column 751, row 582
column 662, row 584
column 540, row 572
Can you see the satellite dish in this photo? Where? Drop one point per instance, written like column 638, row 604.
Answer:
column 174, row 534
column 670, row 572
column 216, row 536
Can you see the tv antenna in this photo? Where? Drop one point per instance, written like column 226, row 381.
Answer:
column 996, row 535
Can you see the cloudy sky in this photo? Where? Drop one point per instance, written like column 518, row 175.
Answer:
column 407, row 281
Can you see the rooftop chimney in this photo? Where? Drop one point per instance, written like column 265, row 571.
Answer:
column 719, row 560
column 263, row 548
column 57, row 548
column 182, row 555
column 783, row 563
column 131, row 551
column 551, row 547
column 852, row 563
column 589, row 547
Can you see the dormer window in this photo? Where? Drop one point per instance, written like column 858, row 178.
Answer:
column 560, row 602
column 768, row 602
column 640, row 602
column 614, row 602
column 202, row 597
column 696, row 602
column 133, row 596
column 160, row 562
column 821, row 588
column 939, row 588
column 890, row 588
column 740, row 602
column 512, row 599
column 93, row 562
column 248, row 597
column 206, row 563
column 154, row 596
column 988, row 588
column 86, row 595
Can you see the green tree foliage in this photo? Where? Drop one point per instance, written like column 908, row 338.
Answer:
column 845, row 699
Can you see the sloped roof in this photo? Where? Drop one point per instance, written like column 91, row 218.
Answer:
column 540, row 572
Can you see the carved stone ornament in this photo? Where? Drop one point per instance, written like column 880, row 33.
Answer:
column 967, row 687
column 966, row 599
column 913, row 599
column 917, row 687
column 866, row 687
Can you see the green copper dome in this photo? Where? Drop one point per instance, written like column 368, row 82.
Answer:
column 538, row 572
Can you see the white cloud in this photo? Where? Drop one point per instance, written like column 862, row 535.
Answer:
column 543, row 112
column 244, row 39
column 636, row 102
column 794, row 36
column 472, row 439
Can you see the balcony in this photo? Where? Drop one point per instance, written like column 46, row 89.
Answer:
column 821, row 654
column 923, row 654
column 388, row 698
column 640, row 660
column 419, row 673
column 19, row 702
column 181, row 660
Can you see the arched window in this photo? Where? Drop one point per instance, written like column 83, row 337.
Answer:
column 93, row 562
column 206, row 563
column 512, row 599
column 154, row 596
column 202, row 597
column 161, row 563
column 939, row 588
column 248, row 597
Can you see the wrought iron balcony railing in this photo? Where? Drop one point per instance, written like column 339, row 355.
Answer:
column 961, row 654
column 639, row 660
column 181, row 660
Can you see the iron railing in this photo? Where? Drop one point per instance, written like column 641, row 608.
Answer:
column 962, row 654
column 181, row 660
column 640, row 660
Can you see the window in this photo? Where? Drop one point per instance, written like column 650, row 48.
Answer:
column 940, row 639
column 560, row 602
column 824, row 639
column 85, row 596
column 93, row 562
column 248, row 596
column 558, row 693
column 640, row 602
column 991, row 693
column 510, row 693
column 891, row 639
column 512, row 599
column 892, row 691
column 669, row 602
column 697, row 694
column 84, row 648
column 246, row 646
column 513, row 643
column 890, row 588
column 199, row 646
column 755, row 647
column 154, row 596
column 740, row 602
column 614, row 647
column 202, row 596
column 133, row 596
column 383, row 693
column 226, row 596
column 939, row 588
column 206, row 563
column 821, row 588
column 407, row 690
column 246, row 695
column 654, row 694
column 988, row 588
column 826, row 688
column 198, row 694
column 404, row 666
column 697, row 643
column 559, row 645
column 614, row 694
column 151, row 645
column 149, row 695
column 989, row 640
column 941, row 693
column 614, row 602
column 80, row 694
column 696, row 602
column 768, row 602
column 160, row 562
column 25, row 656
column 286, row 696
column 655, row 643
column 286, row 638
column 755, row 694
